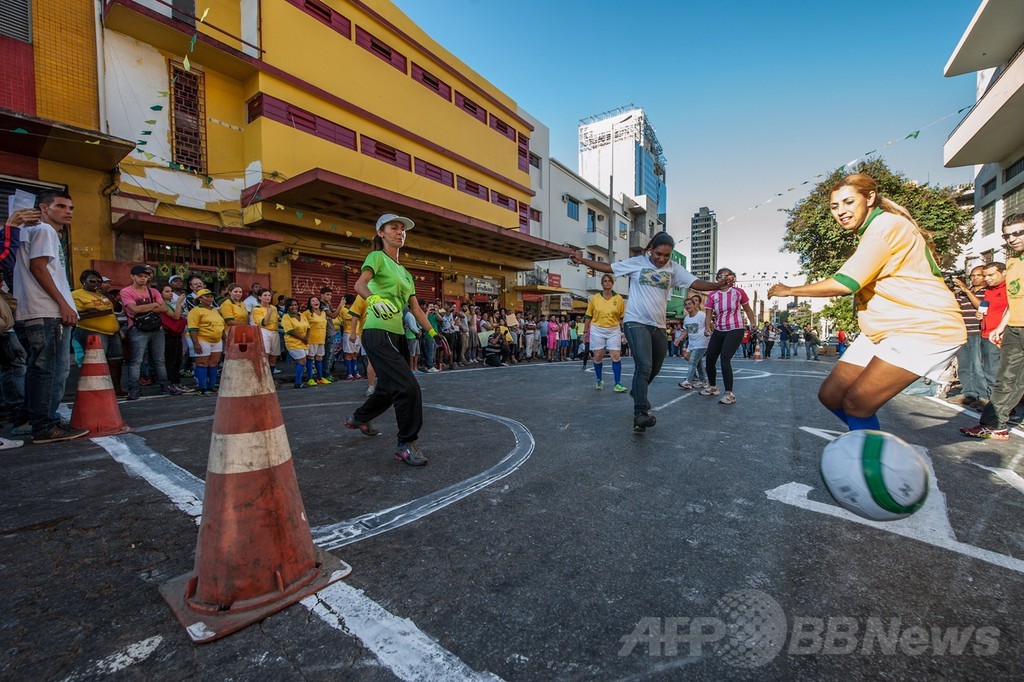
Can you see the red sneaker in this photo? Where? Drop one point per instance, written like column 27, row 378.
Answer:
column 982, row 431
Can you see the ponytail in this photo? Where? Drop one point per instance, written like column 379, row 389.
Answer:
column 376, row 244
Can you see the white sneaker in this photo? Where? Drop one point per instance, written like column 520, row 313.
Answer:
column 698, row 384
column 433, row 369
column 7, row 444
column 710, row 390
column 728, row 398
column 686, row 384
column 369, row 391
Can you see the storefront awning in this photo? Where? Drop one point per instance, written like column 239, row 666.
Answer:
column 38, row 138
column 324, row 192
column 188, row 229
column 541, row 289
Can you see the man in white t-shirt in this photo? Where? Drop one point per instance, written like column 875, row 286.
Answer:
column 45, row 317
column 694, row 323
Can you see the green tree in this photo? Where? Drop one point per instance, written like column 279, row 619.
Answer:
column 839, row 311
column 822, row 246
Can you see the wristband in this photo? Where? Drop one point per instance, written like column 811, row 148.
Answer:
column 432, row 332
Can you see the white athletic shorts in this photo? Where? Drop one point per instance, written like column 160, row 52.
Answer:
column 297, row 354
column 348, row 346
column 906, row 352
column 271, row 342
column 314, row 350
column 605, row 338
column 206, row 349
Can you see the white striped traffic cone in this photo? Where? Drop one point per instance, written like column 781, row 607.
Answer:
column 95, row 401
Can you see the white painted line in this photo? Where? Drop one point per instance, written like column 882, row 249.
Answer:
column 659, row 408
column 133, row 653
column 1011, row 477
column 397, row 642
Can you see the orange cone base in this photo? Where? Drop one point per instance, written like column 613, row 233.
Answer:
column 207, row 622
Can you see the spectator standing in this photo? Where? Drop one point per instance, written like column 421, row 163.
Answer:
column 969, row 368
column 140, row 299
column 266, row 317
column 96, row 318
column 811, row 342
column 413, row 332
column 784, row 340
column 174, row 325
column 206, row 327
column 991, row 314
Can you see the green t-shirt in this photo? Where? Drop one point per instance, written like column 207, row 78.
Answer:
column 392, row 282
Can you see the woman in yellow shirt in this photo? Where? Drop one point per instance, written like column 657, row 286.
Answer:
column 316, row 318
column 96, row 318
column 604, row 321
column 264, row 316
column 206, row 329
column 910, row 321
column 296, row 337
column 233, row 309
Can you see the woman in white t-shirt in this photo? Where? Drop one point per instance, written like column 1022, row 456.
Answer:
column 697, row 334
column 652, row 276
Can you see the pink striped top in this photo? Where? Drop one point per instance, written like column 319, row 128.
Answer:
column 728, row 307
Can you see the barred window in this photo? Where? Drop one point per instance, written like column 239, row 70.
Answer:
column 188, row 118
column 988, row 219
column 1013, row 202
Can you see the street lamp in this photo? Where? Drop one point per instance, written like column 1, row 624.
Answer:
column 611, row 195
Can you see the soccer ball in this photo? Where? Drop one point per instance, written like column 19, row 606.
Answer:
column 875, row 475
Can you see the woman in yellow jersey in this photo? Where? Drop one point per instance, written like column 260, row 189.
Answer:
column 355, row 326
column 233, row 309
column 206, row 329
column 910, row 322
column 296, row 337
column 265, row 316
column 604, row 320
column 96, row 318
column 316, row 318
column 350, row 337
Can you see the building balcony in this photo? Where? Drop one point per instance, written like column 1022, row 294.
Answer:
column 596, row 240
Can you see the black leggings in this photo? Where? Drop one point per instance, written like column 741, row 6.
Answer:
column 396, row 384
column 722, row 344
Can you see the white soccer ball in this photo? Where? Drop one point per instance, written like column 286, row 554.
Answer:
column 875, row 475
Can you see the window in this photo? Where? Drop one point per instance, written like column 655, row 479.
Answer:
column 385, row 152
column 431, row 81
column 300, row 119
column 435, row 173
column 623, row 229
column 524, row 217
column 470, row 107
column 325, row 15
column 524, row 153
column 988, row 187
column 572, row 209
column 535, row 215
column 1013, row 202
column 474, row 188
column 380, row 49
column 591, row 221
column 203, row 259
column 534, row 160
column 1015, row 169
column 188, row 118
column 988, row 219
column 16, row 19
column 502, row 128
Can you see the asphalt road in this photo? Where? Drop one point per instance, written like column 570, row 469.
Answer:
column 544, row 541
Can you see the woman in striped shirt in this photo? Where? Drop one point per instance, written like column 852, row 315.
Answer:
column 727, row 304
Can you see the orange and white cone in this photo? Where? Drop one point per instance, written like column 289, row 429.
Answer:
column 757, row 351
column 255, row 553
column 95, row 401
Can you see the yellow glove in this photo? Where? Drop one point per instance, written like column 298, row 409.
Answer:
column 381, row 307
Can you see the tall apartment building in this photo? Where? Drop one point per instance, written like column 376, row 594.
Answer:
column 704, row 243
column 620, row 147
column 991, row 137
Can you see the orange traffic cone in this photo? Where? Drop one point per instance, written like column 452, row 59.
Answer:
column 757, row 351
column 255, row 553
column 95, row 401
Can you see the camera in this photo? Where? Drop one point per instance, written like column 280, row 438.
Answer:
column 949, row 275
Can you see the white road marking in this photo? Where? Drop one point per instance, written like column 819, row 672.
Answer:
column 133, row 653
column 673, row 401
column 1011, row 477
column 1014, row 431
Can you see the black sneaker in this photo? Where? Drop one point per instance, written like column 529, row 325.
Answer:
column 641, row 422
column 58, row 434
column 366, row 428
column 410, row 454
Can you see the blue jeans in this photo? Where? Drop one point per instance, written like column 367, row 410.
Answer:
column 48, row 345
column 968, row 358
column 793, row 345
column 811, row 350
column 784, row 347
column 696, row 366
column 12, row 384
column 989, row 367
column 429, row 346
column 140, row 341
column 648, row 345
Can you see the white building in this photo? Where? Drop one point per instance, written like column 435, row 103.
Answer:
column 991, row 136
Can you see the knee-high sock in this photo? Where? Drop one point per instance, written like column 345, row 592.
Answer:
column 598, row 366
column 299, row 369
column 200, row 375
column 319, row 369
column 839, row 412
column 860, row 423
column 211, row 377
column 308, row 368
column 351, row 368
column 617, row 371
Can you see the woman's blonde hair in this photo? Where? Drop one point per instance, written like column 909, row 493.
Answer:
column 864, row 185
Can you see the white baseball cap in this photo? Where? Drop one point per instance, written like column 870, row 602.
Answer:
column 391, row 217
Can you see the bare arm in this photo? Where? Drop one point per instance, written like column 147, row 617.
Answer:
column 825, row 288
column 975, row 301
column 592, row 264
column 362, row 285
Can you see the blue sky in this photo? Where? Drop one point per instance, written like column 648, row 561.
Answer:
column 748, row 98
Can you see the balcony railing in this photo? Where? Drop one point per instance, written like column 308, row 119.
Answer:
column 1000, row 74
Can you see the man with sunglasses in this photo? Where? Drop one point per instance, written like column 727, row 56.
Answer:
column 1008, row 334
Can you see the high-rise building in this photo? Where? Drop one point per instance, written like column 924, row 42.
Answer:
column 704, row 243
column 621, row 146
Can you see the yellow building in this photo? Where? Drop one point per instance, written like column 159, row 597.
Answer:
column 271, row 135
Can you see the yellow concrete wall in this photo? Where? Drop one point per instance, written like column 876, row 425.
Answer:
column 64, row 38
column 225, row 15
column 91, row 238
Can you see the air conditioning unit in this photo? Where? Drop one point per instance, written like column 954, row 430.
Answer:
column 600, row 218
column 565, row 198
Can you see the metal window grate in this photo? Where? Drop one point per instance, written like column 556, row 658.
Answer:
column 203, row 258
column 188, row 118
column 16, row 19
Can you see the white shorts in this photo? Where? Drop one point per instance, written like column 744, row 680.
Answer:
column 271, row 342
column 906, row 352
column 206, row 349
column 605, row 338
column 297, row 354
column 315, row 350
column 348, row 346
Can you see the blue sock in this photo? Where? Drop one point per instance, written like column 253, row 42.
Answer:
column 308, row 368
column 200, row 375
column 617, row 372
column 211, row 378
column 299, row 369
column 839, row 412
column 860, row 423
column 319, row 369
column 350, row 368
column 598, row 366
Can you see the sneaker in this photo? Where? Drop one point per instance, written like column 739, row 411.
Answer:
column 274, row 371
column 619, row 388
column 311, row 382
column 366, row 428
column 982, row 431
column 685, row 384
column 642, row 421
column 369, row 391
column 6, row 444
column 143, row 381
column 58, row 434
column 323, row 382
column 728, row 398
column 600, row 385
column 202, row 392
column 184, row 389
column 170, row 389
column 23, row 430
column 697, row 384
column 960, row 400
column 187, row 373
column 432, row 370
column 133, row 394
column 710, row 390
column 410, row 454
column 300, row 385
column 357, row 376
